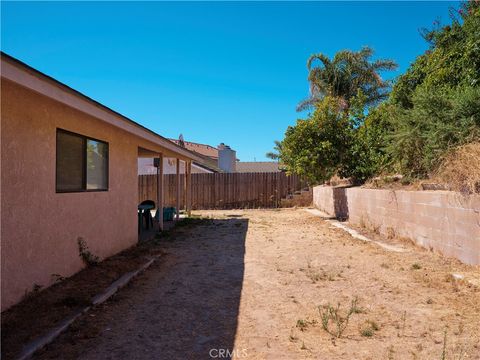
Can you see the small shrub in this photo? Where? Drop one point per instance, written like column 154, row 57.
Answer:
column 416, row 266
column 88, row 258
column 35, row 289
column 302, row 324
column 367, row 331
column 333, row 322
column 357, row 309
column 369, row 328
column 315, row 276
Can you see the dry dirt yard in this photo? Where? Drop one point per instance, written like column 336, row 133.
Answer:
column 255, row 283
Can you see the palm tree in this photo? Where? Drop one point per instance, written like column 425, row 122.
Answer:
column 275, row 154
column 344, row 75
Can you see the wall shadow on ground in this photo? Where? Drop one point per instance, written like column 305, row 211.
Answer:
column 202, row 288
column 186, row 306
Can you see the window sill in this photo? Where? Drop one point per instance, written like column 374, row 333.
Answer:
column 80, row 191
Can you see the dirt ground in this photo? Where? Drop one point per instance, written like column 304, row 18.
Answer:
column 254, row 284
column 41, row 310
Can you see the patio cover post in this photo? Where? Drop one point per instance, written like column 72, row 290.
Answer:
column 188, row 186
column 160, row 192
column 177, row 216
column 184, row 185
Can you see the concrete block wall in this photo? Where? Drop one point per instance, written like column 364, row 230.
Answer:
column 331, row 200
column 441, row 220
column 323, row 199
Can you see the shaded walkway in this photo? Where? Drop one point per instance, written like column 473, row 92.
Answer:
column 182, row 307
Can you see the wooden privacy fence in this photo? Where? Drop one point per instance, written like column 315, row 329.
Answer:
column 224, row 190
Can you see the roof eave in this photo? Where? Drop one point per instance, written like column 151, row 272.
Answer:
column 24, row 75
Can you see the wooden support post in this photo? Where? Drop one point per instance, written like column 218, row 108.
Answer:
column 177, row 216
column 184, row 185
column 188, row 184
column 160, row 192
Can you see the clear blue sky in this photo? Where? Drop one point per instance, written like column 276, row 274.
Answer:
column 216, row 72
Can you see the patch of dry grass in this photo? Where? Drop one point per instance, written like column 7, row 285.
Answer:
column 460, row 169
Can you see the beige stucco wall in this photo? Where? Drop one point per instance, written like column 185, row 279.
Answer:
column 40, row 228
column 441, row 220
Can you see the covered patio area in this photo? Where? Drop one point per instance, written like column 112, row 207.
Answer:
column 154, row 215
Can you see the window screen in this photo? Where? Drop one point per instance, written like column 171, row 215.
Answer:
column 97, row 167
column 82, row 163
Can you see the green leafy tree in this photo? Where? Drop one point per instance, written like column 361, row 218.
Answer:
column 367, row 154
column 344, row 75
column 316, row 146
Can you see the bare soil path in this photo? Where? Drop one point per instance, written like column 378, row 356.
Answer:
column 254, row 283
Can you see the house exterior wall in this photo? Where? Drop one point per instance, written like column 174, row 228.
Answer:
column 441, row 220
column 39, row 227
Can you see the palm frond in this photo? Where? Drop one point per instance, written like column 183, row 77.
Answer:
column 318, row 57
column 306, row 104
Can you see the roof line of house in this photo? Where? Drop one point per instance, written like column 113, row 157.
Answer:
column 209, row 167
column 25, row 81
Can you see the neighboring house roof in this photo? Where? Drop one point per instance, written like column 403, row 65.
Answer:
column 257, row 166
column 209, row 163
column 204, row 149
column 18, row 72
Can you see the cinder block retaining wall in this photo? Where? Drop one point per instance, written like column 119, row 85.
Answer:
column 442, row 220
column 331, row 200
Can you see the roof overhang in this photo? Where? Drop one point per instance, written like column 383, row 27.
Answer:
column 30, row 78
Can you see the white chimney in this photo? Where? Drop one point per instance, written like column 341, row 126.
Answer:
column 226, row 158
